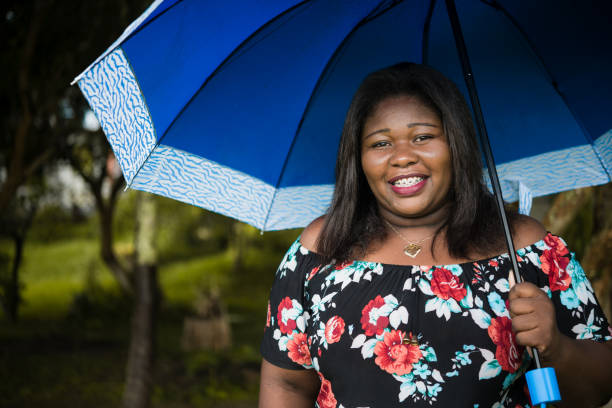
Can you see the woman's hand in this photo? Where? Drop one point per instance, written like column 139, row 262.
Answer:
column 534, row 320
column 583, row 367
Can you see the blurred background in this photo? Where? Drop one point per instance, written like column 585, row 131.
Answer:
column 71, row 280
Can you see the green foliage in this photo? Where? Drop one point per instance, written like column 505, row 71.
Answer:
column 55, row 223
column 182, row 281
column 124, row 219
column 186, row 231
column 273, row 241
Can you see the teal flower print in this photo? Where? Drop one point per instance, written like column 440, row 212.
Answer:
column 497, row 304
column 569, row 299
column 421, row 370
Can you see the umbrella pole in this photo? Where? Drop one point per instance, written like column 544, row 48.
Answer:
column 545, row 381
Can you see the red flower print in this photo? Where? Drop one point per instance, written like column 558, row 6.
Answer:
column 314, row 272
column 298, row 349
column 394, row 356
column 269, row 317
column 556, row 244
column 284, row 324
column 493, row 263
column 326, row 397
column 507, row 353
column 343, row 265
column 373, row 324
column 446, row 285
column 334, row 329
column 554, row 264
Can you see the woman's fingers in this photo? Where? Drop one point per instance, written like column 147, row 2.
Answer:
column 524, row 290
column 522, row 306
column 533, row 317
column 523, row 323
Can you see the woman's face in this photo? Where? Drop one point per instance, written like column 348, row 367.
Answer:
column 406, row 158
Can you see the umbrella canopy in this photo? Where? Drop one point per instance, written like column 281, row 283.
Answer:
column 238, row 106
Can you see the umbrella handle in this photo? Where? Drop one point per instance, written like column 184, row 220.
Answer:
column 542, row 382
column 543, row 387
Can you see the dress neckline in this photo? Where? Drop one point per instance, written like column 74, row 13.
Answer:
column 521, row 251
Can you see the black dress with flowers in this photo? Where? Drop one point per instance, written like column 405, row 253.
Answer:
column 383, row 335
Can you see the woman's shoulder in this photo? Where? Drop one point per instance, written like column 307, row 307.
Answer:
column 527, row 231
column 310, row 236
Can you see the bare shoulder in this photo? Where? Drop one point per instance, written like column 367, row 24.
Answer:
column 527, row 230
column 310, row 235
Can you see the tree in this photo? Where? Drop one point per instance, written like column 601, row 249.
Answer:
column 46, row 43
column 146, row 298
column 91, row 157
column 15, row 222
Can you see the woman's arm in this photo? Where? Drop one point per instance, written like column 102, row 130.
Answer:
column 583, row 367
column 280, row 388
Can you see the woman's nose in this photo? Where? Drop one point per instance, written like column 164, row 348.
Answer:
column 404, row 155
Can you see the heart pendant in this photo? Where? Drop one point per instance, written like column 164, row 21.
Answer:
column 410, row 341
column 412, row 250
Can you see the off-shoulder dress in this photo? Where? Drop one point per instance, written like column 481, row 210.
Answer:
column 381, row 335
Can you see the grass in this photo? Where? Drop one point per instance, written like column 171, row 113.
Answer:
column 54, row 273
column 70, row 346
column 183, row 281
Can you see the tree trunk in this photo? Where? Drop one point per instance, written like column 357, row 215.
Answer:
column 564, row 209
column 142, row 341
column 13, row 298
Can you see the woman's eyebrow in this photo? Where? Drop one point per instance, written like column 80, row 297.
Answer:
column 410, row 125
column 375, row 132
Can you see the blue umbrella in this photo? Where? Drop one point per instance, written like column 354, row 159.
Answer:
column 237, row 106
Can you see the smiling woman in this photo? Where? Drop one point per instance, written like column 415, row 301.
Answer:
column 406, row 159
column 401, row 294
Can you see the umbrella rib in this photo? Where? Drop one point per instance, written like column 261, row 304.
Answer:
column 219, row 67
column 144, row 100
column 375, row 13
column 159, row 141
column 426, row 26
column 140, row 28
column 121, row 39
column 224, row 62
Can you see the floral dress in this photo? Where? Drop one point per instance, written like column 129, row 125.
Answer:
column 381, row 335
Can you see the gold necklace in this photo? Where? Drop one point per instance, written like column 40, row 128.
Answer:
column 413, row 248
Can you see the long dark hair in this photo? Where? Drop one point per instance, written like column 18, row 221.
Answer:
column 353, row 221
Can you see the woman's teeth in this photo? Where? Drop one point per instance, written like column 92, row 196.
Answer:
column 408, row 181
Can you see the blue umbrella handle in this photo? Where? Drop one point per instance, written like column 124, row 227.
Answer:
column 542, row 382
column 543, row 387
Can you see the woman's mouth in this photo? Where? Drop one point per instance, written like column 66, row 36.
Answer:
column 407, row 185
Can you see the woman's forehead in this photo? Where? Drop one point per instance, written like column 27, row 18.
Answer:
column 403, row 107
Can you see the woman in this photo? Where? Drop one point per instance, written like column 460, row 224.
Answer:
column 358, row 316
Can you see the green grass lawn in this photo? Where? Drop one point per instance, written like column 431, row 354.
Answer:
column 54, row 273
column 70, row 345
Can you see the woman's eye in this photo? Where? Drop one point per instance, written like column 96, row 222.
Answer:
column 422, row 138
column 380, row 144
